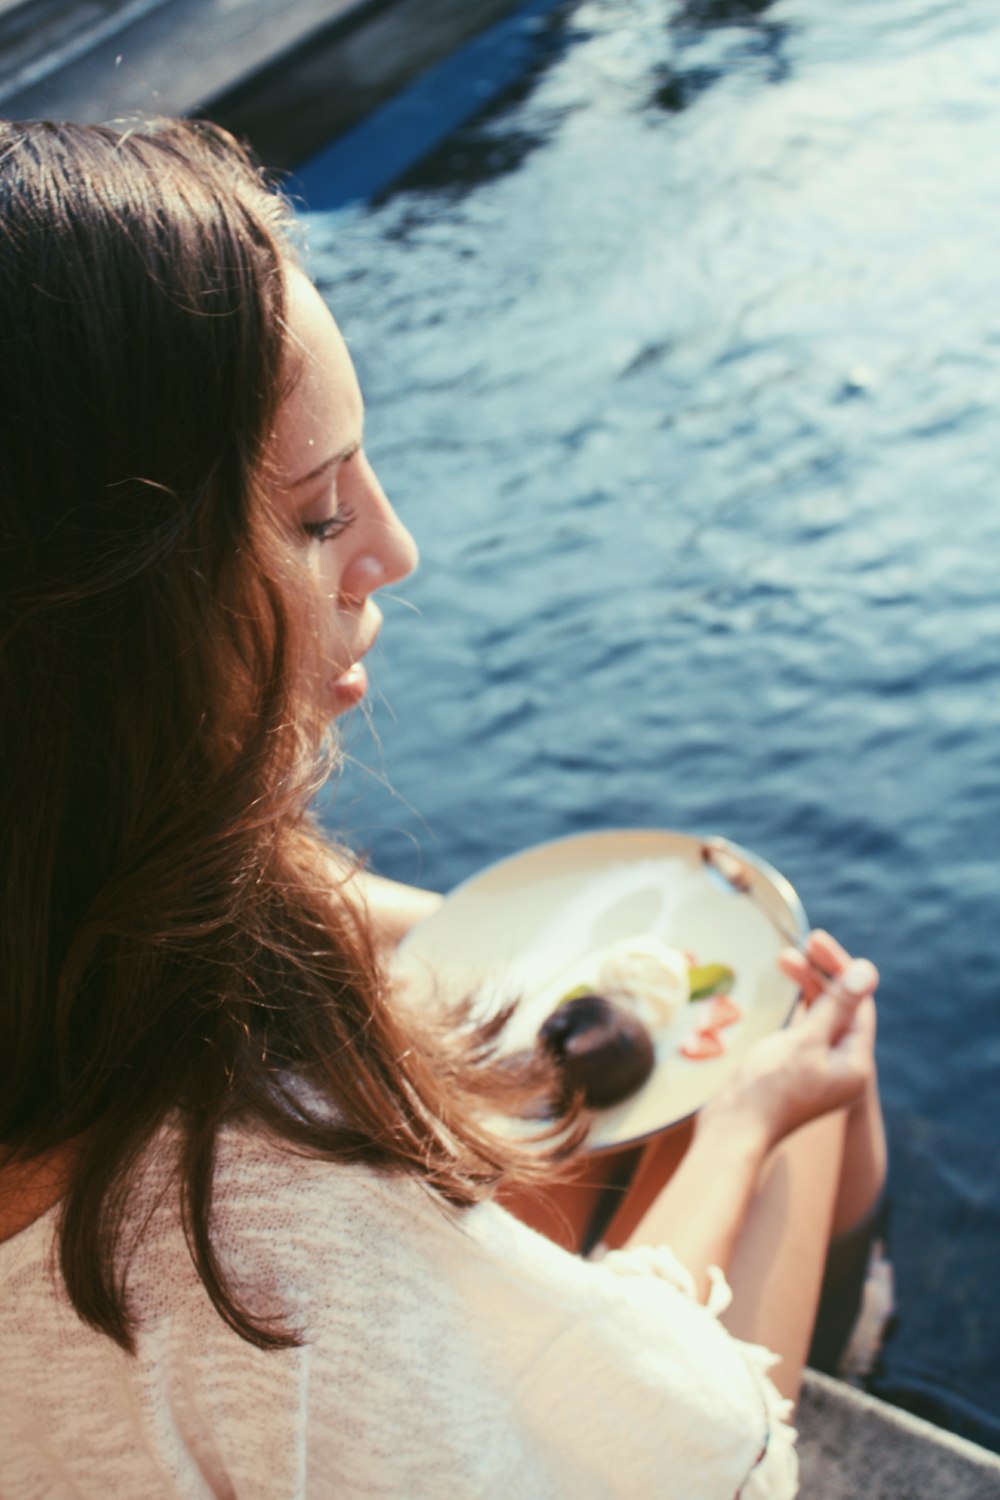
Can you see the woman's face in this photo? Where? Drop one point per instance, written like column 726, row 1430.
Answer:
column 347, row 540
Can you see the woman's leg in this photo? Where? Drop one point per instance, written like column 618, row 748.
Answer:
column 823, row 1183
column 857, row 1223
column 574, row 1210
column 865, row 1163
column 656, row 1164
column 605, row 1197
column 776, row 1272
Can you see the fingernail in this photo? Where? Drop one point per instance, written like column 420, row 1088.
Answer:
column 859, row 977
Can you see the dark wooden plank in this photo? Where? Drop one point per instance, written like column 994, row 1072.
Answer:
column 288, row 77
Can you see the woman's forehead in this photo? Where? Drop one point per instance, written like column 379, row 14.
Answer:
column 323, row 412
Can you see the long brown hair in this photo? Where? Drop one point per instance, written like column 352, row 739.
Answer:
column 172, row 940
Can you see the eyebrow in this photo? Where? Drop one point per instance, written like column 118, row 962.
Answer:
column 327, row 464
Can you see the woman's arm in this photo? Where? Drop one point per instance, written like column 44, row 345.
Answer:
column 393, row 907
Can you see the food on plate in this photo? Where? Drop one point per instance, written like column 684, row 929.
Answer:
column 723, row 1011
column 655, row 979
column 705, row 1041
column 600, row 1032
column 600, row 1047
column 646, row 974
column 710, row 979
column 702, row 1045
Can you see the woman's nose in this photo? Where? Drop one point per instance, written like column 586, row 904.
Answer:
column 385, row 552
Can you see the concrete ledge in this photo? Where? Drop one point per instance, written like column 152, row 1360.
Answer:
column 289, row 77
column 340, row 75
column 40, row 37
column 853, row 1447
column 95, row 59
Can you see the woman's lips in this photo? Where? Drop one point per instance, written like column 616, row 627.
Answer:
column 350, row 687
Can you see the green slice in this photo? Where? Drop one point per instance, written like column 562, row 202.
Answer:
column 710, row 979
column 576, row 993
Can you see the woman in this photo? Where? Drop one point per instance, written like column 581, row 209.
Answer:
column 249, row 1242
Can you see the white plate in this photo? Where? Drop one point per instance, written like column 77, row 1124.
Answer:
column 524, row 928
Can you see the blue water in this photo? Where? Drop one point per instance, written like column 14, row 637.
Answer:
column 681, row 361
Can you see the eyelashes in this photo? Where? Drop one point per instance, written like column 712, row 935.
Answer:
column 332, row 527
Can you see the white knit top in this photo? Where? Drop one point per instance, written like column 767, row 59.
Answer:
column 445, row 1354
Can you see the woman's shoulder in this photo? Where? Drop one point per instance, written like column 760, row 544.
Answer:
column 266, row 1188
column 260, row 1174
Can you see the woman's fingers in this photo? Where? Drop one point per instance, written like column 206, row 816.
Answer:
column 859, row 1038
column 801, row 972
column 829, row 956
column 834, row 986
column 827, row 966
column 853, row 1052
column 805, row 974
column 832, row 1016
column 852, row 986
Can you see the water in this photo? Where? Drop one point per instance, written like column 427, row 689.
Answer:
column 682, row 364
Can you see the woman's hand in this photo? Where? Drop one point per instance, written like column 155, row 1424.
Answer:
column 823, row 1061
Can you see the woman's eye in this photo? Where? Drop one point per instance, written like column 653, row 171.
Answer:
column 333, row 526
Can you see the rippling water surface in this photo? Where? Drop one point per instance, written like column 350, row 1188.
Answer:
column 682, row 363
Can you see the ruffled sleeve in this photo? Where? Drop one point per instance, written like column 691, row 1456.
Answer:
column 774, row 1472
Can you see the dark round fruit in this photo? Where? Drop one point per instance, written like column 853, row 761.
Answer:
column 600, row 1047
